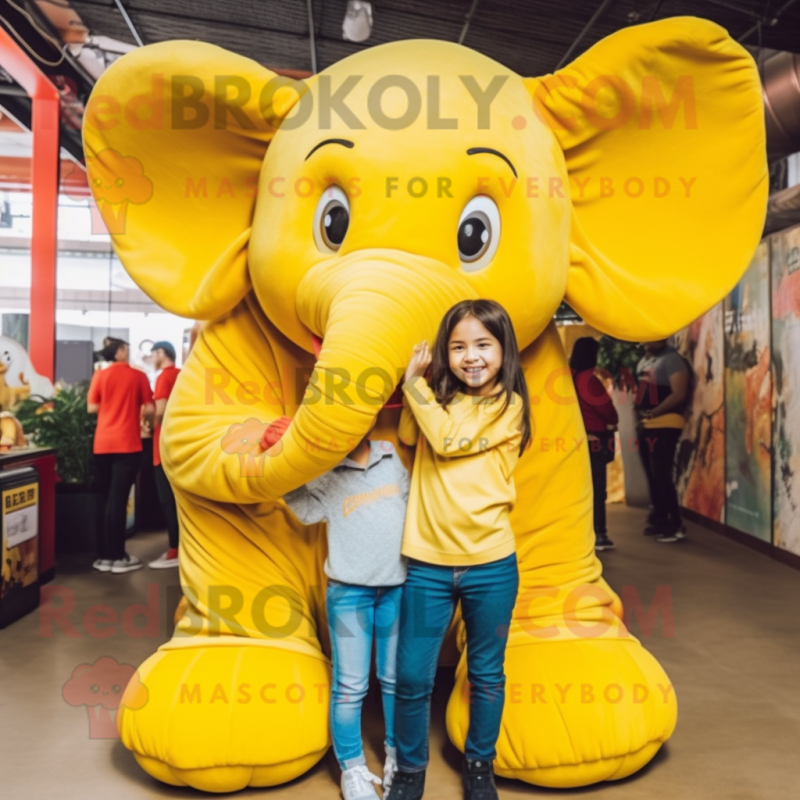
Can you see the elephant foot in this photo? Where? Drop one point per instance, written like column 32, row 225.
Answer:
column 576, row 712
column 222, row 718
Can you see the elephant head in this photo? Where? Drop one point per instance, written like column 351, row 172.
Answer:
column 354, row 209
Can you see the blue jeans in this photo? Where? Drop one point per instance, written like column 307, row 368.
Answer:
column 487, row 593
column 356, row 615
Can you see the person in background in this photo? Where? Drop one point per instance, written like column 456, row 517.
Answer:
column 164, row 360
column 118, row 395
column 663, row 380
column 600, row 419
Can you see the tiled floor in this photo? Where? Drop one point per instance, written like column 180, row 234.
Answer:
column 734, row 659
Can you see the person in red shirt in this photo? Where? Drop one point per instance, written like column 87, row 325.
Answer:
column 118, row 394
column 600, row 420
column 164, row 360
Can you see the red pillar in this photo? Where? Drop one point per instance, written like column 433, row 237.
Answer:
column 45, row 165
column 45, row 236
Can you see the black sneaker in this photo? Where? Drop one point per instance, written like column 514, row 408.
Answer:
column 677, row 533
column 406, row 786
column 479, row 780
column 659, row 528
column 603, row 543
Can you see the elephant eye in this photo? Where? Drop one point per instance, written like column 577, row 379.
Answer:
column 331, row 219
column 478, row 233
column 116, row 688
column 95, row 688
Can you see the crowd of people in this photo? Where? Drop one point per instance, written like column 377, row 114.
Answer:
column 123, row 400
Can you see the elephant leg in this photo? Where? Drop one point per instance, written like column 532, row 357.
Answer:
column 239, row 697
column 221, row 718
column 577, row 711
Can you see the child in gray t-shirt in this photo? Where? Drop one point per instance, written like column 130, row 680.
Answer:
column 363, row 499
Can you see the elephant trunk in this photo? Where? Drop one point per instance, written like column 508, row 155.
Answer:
column 369, row 309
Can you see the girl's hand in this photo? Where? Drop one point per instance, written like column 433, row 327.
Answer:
column 420, row 361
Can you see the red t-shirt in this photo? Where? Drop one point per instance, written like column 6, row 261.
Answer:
column 120, row 391
column 597, row 408
column 164, row 383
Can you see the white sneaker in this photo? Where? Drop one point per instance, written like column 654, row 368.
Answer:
column 357, row 784
column 164, row 561
column 103, row 564
column 389, row 770
column 127, row 564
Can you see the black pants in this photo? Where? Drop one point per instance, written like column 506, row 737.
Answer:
column 167, row 498
column 116, row 473
column 599, row 461
column 657, row 449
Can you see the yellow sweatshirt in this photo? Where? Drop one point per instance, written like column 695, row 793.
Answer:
column 462, row 488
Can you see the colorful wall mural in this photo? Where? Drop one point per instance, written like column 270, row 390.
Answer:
column 786, row 370
column 738, row 459
column 748, row 400
column 700, row 458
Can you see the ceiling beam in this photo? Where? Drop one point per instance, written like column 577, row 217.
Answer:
column 586, row 28
column 770, row 21
column 467, row 21
column 129, row 23
column 312, row 36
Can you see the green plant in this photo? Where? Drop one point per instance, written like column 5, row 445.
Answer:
column 619, row 357
column 62, row 422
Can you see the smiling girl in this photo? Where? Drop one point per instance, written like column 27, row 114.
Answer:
column 472, row 423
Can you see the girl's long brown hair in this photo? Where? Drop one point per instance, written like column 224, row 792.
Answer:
column 495, row 319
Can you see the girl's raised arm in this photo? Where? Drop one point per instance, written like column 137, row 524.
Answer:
column 408, row 430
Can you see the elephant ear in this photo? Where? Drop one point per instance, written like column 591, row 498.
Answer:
column 672, row 112
column 175, row 135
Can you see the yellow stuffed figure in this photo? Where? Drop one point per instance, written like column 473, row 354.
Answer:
column 339, row 211
column 11, row 434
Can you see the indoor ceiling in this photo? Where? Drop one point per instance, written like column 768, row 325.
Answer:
column 529, row 36
column 74, row 40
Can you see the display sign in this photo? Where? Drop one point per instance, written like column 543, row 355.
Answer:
column 20, row 531
column 19, row 576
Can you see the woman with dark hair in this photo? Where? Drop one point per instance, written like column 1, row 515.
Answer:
column 117, row 394
column 600, row 419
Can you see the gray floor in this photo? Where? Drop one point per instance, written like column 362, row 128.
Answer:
column 734, row 659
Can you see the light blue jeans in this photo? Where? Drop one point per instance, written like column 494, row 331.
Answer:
column 356, row 616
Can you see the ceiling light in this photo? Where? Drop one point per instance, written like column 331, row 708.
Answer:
column 357, row 25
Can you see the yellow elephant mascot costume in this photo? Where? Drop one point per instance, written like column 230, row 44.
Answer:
column 315, row 227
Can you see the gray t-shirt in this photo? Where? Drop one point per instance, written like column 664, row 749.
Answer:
column 365, row 508
column 665, row 364
column 658, row 369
